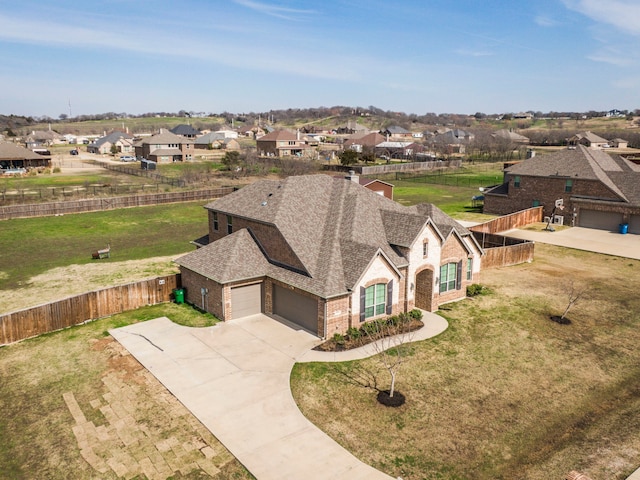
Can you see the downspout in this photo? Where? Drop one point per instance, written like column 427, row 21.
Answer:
column 324, row 336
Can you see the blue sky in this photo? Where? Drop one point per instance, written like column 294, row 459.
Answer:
column 415, row 56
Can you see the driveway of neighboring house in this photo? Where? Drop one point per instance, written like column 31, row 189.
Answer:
column 234, row 377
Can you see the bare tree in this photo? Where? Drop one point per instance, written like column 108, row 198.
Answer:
column 574, row 294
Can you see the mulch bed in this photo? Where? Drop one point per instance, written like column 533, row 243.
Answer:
column 332, row 346
column 397, row 400
column 560, row 320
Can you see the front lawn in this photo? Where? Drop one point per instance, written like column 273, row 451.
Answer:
column 505, row 392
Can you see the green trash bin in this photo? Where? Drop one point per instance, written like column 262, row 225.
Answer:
column 178, row 295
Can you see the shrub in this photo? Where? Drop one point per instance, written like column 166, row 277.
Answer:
column 338, row 338
column 353, row 333
column 416, row 314
column 476, row 289
column 56, row 169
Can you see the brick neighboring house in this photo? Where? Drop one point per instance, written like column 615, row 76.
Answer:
column 326, row 254
column 280, row 143
column 165, row 147
column 598, row 190
column 123, row 143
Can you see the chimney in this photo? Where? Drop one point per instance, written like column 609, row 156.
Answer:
column 352, row 176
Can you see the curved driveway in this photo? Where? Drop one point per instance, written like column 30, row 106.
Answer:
column 234, row 377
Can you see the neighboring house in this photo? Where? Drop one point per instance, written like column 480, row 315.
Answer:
column 395, row 132
column 452, row 141
column 326, row 254
column 619, row 143
column 280, row 143
column 165, row 147
column 378, row 186
column 216, row 140
column 44, row 138
column 15, row 156
column 597, row 190
column 510, row 136
column 588, row 139
column 392, row 149
column 361, row 142
column 123, row 144
column 186, row 131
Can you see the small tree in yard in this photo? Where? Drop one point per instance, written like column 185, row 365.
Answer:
column 574, row 294
column 388, row 337
column 349, row 157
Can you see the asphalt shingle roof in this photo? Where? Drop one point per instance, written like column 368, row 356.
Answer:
column 11, row 151
column 330, row 230
column 619, row 175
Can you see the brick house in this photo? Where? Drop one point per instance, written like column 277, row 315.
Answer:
column 165, row 147
column 280, row 143
column 597, row 190
column 326, row 254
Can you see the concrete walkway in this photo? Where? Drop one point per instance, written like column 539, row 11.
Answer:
column 234, row 377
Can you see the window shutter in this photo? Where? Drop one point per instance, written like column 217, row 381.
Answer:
column 389, row 297
column 459, row 276
column 362, row 302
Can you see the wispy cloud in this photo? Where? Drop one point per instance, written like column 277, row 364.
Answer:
column 544, row 21
column 275, row 11
column 474, row 53
column 621, row 14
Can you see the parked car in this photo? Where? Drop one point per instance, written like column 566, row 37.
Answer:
column 74, row 152
column 127, row 158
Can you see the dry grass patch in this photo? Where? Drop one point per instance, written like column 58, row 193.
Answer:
column 74, row 404
column 505, row 392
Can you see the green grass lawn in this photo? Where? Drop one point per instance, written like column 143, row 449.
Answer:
column 505, row 392
column 32, row 246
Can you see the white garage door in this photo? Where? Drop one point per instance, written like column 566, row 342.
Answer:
column 634, row 224
column 246, row 300
column 296, row 308
column 600, row 220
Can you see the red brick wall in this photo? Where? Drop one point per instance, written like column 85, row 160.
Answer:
column 546, row 190
column 452, row 252
column 192, row 283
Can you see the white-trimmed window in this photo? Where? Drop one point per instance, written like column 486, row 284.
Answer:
column 229, row 224
column 469, row 268
column 376, row 300
column 425, row 249
column 448, row 277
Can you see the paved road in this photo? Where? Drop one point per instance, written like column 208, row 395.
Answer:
column 234, row 377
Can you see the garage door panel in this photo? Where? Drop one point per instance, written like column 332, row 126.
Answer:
column 634, row 224
column 295, row 307
column 600, row 220
column 246, row 300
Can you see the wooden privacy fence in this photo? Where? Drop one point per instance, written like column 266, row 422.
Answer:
column 79, row 309
column 110, row 203
column 508, row 222
column 501, row 251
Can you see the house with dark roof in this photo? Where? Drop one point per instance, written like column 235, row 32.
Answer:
column 14, row 156
column 280, row 143
column 395, row 132
column 186, row 131
column 165, row 147
column 326, row 254
column 597, row 190
column 123, row 143
column 452, row 141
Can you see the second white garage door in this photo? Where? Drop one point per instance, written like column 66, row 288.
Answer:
column 296, row 308
column 600, row 220
column 246, row 300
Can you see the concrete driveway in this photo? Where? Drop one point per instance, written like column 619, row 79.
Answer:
column 590, row 239
column 234, row 377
